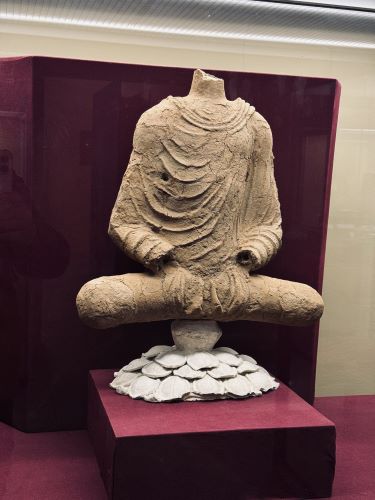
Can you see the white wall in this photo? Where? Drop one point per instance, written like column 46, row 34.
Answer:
column 347, row 338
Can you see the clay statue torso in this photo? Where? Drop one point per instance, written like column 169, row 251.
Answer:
column 191, row 181
column 198, row 206
column 194, row 173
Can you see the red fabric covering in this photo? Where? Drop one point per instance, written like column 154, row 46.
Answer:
column 354, row 417
column 130, row 417
column 245, row 449
column 61, row 466
column 48, row 466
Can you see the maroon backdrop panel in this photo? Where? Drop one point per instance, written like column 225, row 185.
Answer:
column 65, row 138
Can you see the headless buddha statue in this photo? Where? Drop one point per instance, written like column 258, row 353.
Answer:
column 198, row 207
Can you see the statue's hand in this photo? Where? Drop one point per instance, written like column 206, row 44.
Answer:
column 159, row 258
column 183, row 288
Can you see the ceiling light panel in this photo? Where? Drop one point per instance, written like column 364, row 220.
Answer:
column 293, row 21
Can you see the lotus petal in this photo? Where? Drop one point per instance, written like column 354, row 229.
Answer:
column 223, row 371
column 254, row 390
column 154, row 370
column 245, row 357
column 202, row 360
column 191, row 397
column 228, row 358
column 143, row 386
column 157, row 349
column 172, row 388
column 136, row 364
column 150, row 398
column 208, row 386
column 238, row 386
column 124, row 379
column 262, row 381
column 188, row 373
column 121, row 389
column 171, row 359
column 247, row 367
column 263, row 370
column 226, row 349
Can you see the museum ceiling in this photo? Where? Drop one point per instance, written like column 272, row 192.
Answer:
column 336, row 22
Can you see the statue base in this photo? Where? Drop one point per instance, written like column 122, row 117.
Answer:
column 192, row 369
column 277, row 446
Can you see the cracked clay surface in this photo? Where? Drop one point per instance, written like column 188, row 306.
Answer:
column 198, row 207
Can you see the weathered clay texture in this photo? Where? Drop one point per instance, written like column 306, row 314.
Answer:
column 198, row 207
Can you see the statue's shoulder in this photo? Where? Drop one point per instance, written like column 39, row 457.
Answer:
column 260, row 129
column 256, row 120
column 158, row 114
column 261, row 132
column 153, row 127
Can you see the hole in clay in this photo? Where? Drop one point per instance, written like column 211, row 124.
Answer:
column 166, row 259
column 164, row 176
column 244, row 257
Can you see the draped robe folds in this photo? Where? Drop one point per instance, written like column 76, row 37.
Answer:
column 199, row 188
column 198, row 206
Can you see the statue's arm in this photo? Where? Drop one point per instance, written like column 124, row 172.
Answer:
column 261, row 236
column 135, row 238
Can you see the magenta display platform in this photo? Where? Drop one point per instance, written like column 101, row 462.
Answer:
column 70, row 471
column 66, row 132
column 274, row 445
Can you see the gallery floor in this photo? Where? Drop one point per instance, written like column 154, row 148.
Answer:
column 61, row 465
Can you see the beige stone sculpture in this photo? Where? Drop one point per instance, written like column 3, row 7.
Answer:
column 198, row 207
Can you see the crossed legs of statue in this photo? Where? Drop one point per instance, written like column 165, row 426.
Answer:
column 176, row 293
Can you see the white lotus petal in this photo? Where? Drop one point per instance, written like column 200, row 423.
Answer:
column 274, row 385
column 205, row 397
column 124, row 379
column 136, row 364
column 247, row 367
column 202, row 360
column 154, row 370
column 208, row 386
column 151, row 398
column 157, row 349
column 245, row 357
column 254, row 390
column 195, row 398
column 238, row 386
column 223, row 371
column 208, row 397
column 123, row 390
column 262, row 381
column 143, row 386
column 226, row 349
column 172, row 388
column 171, row 359
column 228, row 358
column 188, row 373
column 263, row 370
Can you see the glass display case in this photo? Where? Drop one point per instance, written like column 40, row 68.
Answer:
column 66, row 129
